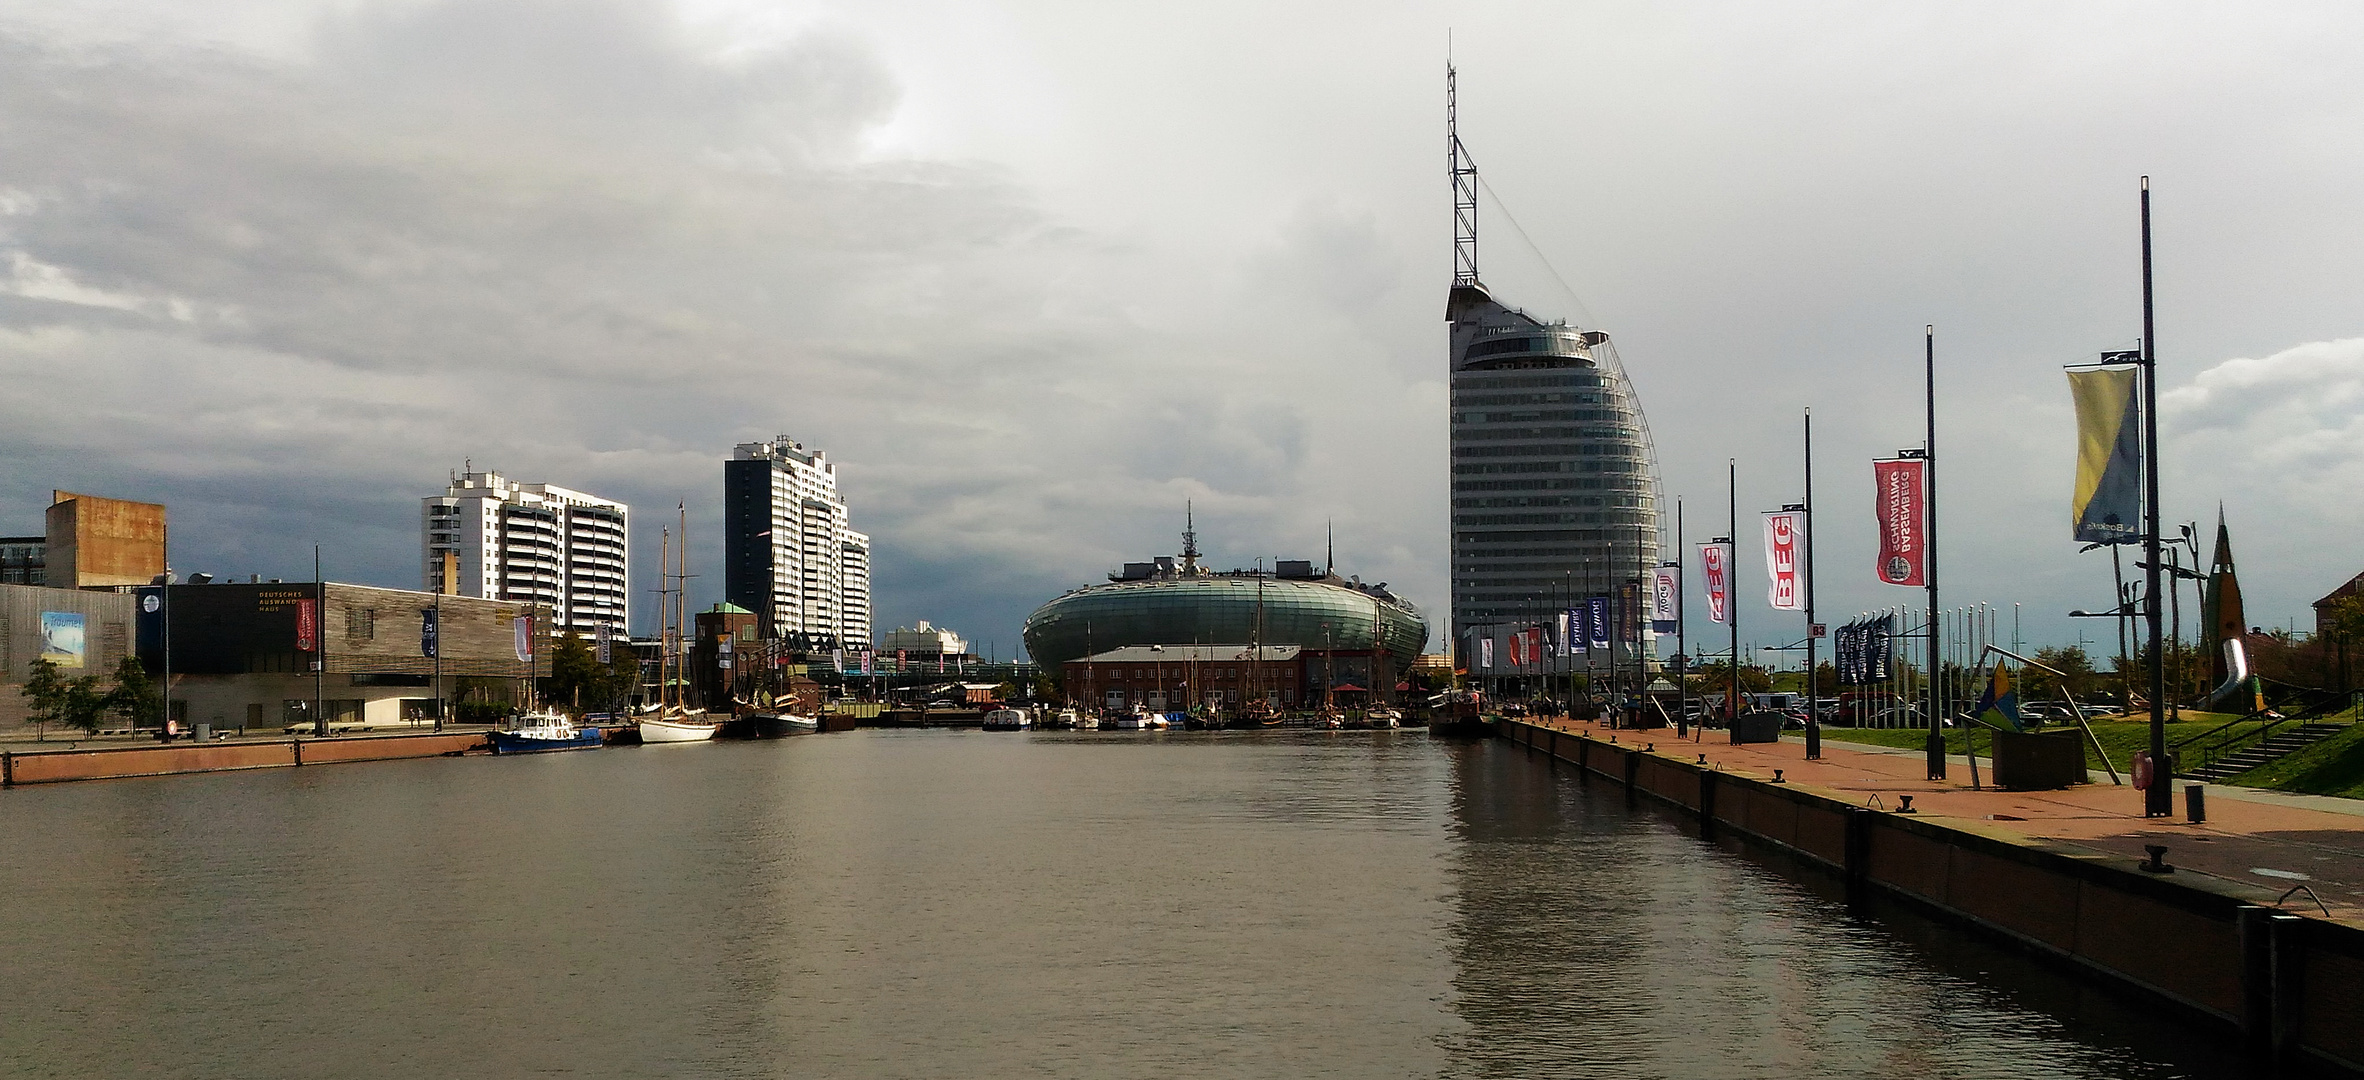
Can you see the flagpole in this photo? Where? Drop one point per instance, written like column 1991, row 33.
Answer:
column 2159, row 797
column 1813, row 700
column 1936, row 742
column 1732, row 595
column 1682, row 662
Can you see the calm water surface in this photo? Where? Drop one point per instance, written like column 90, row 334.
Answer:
column 937, row 904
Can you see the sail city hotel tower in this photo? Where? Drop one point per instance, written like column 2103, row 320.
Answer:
column 1554, row 478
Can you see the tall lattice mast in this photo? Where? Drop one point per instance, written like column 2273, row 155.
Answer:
column 1465, row 185
column 1189, row 539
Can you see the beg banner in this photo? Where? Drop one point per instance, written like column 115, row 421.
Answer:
column 1785, row 586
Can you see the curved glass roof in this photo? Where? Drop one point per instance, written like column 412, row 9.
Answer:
column 1221, row 610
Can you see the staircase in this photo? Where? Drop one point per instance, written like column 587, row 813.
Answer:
column 2274, row 748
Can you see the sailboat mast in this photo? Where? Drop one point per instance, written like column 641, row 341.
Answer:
column 664, row 620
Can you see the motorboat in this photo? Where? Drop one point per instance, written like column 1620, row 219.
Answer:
column 1082, row 721
column 1008, row 720
column 678, row 726
column 542, row 732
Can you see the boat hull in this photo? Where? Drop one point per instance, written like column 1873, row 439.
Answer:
column 653, row 730
column 782, row 725
column 510, row 742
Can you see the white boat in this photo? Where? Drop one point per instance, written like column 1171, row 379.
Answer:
column 1074, row 721
column 1008, row 720
column 678, row 727
column 540, row 732
column 1128, row 721
column 1385, row 718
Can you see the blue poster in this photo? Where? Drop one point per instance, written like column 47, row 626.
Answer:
column 1598, row 622
column 62, row 638
column 427, row 633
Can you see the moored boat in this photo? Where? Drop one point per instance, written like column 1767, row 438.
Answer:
column 782, row 725
column 543, row 732
column 678, row 727
column 1008, row 720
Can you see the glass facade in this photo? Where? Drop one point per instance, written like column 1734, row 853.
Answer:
column 1555, row 482
column 1222, row 609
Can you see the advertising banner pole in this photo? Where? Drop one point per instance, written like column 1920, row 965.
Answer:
column 1813, row 629
column 1731, row 595
column 319, row 646
column 1936, row 743
column 2159, row 798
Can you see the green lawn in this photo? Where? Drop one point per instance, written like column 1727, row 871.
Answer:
column 2120, row 738
column 2334, row 766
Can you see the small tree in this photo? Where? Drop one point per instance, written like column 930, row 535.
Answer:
column 45, row 690
column 574, row 670
column 135, row 697
column 74, row 703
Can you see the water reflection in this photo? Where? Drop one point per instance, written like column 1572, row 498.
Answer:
column 884, row 904
column 1594, row 940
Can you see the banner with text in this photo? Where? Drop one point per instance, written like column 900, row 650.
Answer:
column 307, row 625
column 1715, row 575
column 1666, row 599
column 1596, row 622
column 1899, row 504
column 1785, row 573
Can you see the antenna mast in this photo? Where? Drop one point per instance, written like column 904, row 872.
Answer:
column 1189, row 540
column 1465, row 184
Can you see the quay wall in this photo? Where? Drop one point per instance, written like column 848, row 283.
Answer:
column 2290, row 985
column 57, row 766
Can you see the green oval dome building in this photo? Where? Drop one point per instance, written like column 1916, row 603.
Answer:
column 1177, row 602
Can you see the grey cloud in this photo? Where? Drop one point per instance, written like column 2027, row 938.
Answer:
column 569, row 242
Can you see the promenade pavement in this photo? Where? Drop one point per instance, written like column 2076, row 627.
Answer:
column 2263, row 839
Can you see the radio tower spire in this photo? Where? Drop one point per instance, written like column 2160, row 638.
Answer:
column 1465, row 185
column 1189, row 539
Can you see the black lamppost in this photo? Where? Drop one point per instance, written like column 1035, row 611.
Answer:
column 2159, row 795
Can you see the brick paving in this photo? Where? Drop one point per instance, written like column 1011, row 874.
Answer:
column 2263, row 839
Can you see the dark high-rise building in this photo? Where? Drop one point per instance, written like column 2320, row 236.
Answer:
column 788, row 553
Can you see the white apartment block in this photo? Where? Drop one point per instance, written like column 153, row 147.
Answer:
column 788, row 553
column 488, row 536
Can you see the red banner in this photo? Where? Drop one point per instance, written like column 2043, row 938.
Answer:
column 307, row 625
column 1903, row 517
column 1785, row 582
column 1715, row 574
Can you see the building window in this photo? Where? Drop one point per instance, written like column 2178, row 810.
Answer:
column 361, row 624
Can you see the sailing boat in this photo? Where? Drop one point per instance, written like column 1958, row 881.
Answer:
column 672, row 722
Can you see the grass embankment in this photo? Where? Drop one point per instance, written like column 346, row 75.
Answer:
column 2120, row 738
column 2334, row 766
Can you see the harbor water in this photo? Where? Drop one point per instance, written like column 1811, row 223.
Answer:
column 933, row 903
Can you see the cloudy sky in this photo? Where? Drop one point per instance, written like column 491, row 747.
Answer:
column 1036, row 275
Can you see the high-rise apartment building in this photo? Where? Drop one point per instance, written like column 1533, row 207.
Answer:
column 490, row 537
column 788, row 552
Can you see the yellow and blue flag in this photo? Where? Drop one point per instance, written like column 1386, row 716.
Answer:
column 1999, row 705
column 2108, row 501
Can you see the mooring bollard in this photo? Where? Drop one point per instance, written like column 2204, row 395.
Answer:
column 2157, row 863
